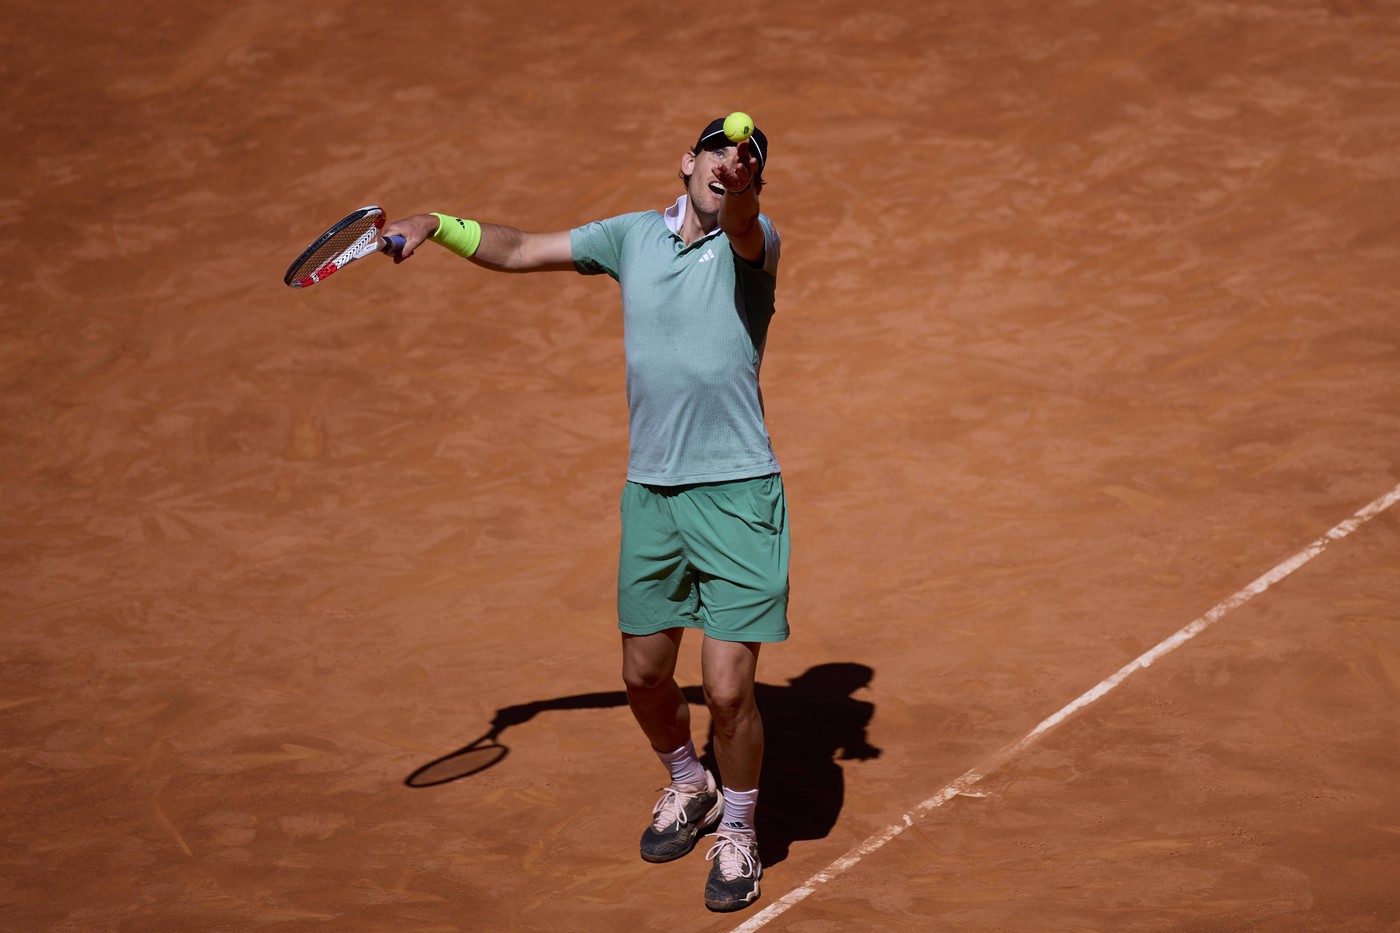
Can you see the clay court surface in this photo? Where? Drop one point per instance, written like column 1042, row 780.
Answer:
column 1088, row 317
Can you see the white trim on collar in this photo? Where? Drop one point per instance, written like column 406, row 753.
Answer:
column 674, row 216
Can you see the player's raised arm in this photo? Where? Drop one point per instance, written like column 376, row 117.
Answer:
column 738, row 212
column 491, row 246
column 740, row 173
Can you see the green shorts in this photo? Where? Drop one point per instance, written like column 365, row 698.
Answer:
column 712, row 556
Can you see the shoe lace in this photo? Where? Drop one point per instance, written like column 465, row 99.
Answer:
column 671, row 807
column 736, row 854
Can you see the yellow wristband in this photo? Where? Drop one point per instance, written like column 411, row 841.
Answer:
column 460, row 236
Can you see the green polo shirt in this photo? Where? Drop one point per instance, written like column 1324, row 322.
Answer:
column 694, row 318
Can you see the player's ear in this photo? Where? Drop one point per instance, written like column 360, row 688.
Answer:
column 688, row 163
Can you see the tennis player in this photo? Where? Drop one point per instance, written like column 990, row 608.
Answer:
column 704, row 521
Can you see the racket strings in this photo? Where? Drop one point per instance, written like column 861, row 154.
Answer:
column 354, row 236
column 335, row 243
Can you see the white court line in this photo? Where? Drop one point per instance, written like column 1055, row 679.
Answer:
column 964, row 784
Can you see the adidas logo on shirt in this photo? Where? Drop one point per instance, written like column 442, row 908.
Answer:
column 709, row 254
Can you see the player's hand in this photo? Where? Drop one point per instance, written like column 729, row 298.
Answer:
column 737, row 171
column 414, row 231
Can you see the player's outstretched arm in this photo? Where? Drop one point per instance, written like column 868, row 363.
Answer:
column 507, row 249
column 491, row 246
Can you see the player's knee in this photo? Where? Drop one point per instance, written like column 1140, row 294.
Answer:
column 640, row 678
column 729, row 703
column 649, row 662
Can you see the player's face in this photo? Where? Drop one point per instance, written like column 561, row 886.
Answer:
column 704, row 189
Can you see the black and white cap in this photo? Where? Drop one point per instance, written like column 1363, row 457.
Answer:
column 713, row 138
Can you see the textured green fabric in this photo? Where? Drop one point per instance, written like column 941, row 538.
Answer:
column 713, row 556
column 695, row 319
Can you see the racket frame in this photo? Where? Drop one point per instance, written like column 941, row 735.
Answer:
column 367, row 244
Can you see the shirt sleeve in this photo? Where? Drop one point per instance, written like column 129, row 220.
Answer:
column 772, row 245
column 757, row 286
column 597, row 246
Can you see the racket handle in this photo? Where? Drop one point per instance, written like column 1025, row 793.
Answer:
column 393, row 245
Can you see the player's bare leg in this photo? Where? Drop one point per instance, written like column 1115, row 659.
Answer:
column 729, row 669
column 656, row 701
column 692, row 803
column 729, row 672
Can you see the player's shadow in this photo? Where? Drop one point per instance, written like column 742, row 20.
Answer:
column 810, row 725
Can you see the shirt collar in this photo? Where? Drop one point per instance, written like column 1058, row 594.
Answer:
column 675, row 214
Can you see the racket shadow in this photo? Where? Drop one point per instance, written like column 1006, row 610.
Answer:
column 484, row 753
column 488, row 751
column 810, row 725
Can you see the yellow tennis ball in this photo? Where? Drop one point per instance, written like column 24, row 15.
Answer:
column 738, row 126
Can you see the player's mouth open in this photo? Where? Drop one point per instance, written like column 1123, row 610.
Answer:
column 716, row 187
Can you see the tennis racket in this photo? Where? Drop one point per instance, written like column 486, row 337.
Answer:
column 354, row 237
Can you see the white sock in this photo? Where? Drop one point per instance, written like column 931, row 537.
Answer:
column 684, row 765
column 738, row 810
